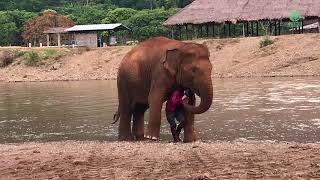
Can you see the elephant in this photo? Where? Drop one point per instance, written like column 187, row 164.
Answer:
column 149, row 73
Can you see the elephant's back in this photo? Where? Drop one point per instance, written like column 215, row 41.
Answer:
column 148, row 52
column 138, row 65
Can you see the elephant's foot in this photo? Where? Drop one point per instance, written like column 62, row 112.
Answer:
column 153, row 138
column 153, row 133
column 126, row 137
column 139, row 137
column 190, row 137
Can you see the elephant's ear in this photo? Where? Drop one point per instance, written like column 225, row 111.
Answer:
column 171, row 60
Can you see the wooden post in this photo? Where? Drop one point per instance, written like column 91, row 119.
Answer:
column 270, row 28
column 213, row 30
column 187, row 36
column 201, row 31
column 48, row 40
column 243, row 33
column 299, row 29
column 302, row 24
column 319, row 25
column 247, row 33
column 234, row 30
column 252, row 34
column 192, row 34
column 197, row 31
column 179, row 32
column 224, row 29
column 229, row 29
column 279, row 28
column 59, row 40
column 275, row 28
column 207, row 27
column 257, row 23
column 172, row 33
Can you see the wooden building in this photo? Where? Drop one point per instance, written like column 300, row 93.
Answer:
column 54, row 36
column 87, row 35
column 84, row 35
column 205, row 17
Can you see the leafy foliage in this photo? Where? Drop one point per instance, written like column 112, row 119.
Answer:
column 11, row 23
column 32, row 58
column 42, row 14
column 148, row 23
column 51, row 54
column 265, row 41
column 119, row 15
column 33, row 29
column 84, row 14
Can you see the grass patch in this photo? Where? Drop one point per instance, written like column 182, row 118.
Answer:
column 265, row 41
column 36, row 58
column 19, row 53
column 32, row 58
column 51, row 54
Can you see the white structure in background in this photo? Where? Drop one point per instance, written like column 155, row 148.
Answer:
column 86, row 35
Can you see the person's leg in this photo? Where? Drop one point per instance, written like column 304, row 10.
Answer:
column 181, row 120
column 173, row 125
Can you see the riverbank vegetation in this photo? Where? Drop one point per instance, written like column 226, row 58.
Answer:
column 144, row 17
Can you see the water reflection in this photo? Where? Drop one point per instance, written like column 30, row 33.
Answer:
column 255, row 109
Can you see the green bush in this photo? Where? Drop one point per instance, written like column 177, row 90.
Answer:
column 51, row 54
column 265, row 41
column 32, row 58
column 19, row 53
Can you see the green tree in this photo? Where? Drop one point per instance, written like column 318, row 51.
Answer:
column 148, row 23
column 11, row 23
column 119, row 15
column 34, row 27
column 84, row 14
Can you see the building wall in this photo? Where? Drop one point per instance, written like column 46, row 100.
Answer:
column 89, row 39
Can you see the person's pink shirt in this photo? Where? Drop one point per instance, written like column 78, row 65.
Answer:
column 174, row 100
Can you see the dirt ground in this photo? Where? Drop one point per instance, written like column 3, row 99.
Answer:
column 290, row 55
column 152, row 160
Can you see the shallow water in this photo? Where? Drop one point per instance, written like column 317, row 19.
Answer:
column 276, row 109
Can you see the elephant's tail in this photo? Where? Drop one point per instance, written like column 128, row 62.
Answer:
column 116, row 117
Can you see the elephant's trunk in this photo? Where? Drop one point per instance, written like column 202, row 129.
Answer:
column 206, row 95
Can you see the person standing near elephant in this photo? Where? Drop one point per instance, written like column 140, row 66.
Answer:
column 174, row 111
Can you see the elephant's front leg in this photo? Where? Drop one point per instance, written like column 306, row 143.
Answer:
column 189, row 132
column 154, row 124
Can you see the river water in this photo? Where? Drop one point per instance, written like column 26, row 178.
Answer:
column 274, row 109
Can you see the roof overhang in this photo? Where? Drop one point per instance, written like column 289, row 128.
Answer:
column 97, row 27
column 55, row 30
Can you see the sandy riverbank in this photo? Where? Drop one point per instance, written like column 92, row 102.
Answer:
column 290, row 55
column 148, row 160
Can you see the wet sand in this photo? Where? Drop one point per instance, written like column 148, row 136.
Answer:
column 159, row 160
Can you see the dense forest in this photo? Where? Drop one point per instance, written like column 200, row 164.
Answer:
column 143, row 17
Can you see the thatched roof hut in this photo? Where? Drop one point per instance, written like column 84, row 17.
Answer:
column 219, row 11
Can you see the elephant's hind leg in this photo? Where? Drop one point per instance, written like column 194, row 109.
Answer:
column 125, row 127
column 138, row 121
